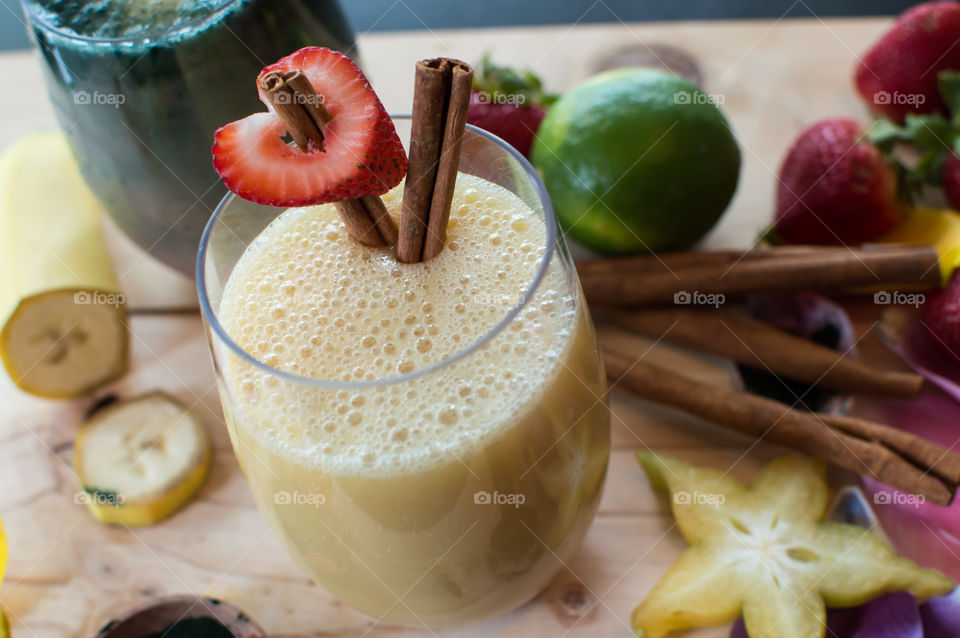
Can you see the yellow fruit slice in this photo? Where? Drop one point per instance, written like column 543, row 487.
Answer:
column 939, row 228
column 696, row 576
column 63, row 319
column 141, row 460
column 765, row 551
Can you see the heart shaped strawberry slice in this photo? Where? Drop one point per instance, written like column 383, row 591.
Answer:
column 361, row 155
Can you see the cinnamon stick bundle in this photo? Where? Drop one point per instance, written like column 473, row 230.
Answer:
column 652, row 280
column 760, row 345
column 943, row 463
column 440, row 100
column 895, row 458
column 304, row 113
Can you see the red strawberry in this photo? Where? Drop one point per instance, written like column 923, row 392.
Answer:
column 941, row 316
column 899, row 74
column 835, row 187
column 508, row 104
column 362, row 153
column 950, row 180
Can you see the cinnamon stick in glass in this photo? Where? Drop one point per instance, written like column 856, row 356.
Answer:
column 776, row 422
column 440, row 100
column 754, row 343
column 304, row 113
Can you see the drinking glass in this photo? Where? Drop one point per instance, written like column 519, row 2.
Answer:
column 460, row 538
column 140, row 112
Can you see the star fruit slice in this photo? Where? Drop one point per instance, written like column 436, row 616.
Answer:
column 765, row 552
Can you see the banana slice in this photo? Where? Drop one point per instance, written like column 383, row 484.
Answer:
column 140, row 460
column 63, row 319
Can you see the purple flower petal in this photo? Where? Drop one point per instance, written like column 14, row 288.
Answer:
column 841, row 623
column 739, row 630
column 902, row 332
column 892, row 616
column 941, row 616
column 926, row 533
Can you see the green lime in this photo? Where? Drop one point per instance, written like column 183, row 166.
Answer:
column 637, row 160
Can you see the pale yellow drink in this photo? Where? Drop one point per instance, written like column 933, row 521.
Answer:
column 439, row 497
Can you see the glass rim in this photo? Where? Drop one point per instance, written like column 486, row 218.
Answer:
column 157, row 36
column 551, row 243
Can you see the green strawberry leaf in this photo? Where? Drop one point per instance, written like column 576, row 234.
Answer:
column 930, row 166
column 929, row 131
column 922, row 131
column 884, row 134
column 909, row 183
column 949, row 83
column 504, row 85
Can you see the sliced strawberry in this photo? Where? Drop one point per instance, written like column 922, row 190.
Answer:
column 362, row 153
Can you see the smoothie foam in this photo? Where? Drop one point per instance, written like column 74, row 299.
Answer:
column 308, row 300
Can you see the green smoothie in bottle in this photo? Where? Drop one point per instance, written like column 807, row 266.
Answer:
column 140, row 86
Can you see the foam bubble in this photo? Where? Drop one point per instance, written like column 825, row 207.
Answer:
column 306, row 299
